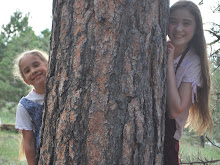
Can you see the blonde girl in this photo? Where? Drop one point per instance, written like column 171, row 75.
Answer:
column 31, row 67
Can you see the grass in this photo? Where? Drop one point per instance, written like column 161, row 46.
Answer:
column 9, row 140
column 190, row 153
column 9, row 148
column 191, row 150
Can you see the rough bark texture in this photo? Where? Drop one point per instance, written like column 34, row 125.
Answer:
column 105, row 98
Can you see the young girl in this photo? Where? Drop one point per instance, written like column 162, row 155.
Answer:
column 32, row 68
column 188, row 78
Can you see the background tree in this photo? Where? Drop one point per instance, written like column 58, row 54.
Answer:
column 215, row 104
column 214, row 31
column 105, row 98
column 215, row 53
column 17, row 24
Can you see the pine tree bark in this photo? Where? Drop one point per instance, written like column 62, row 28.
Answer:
column 105, row 98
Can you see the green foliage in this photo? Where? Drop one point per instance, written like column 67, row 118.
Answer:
column 2, row 46
column 215, row 103
column 17, row 24
column 8, row 112
column 16, row 37
column 9, row 150
column 44, row 40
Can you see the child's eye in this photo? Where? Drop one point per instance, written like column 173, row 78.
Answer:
column 173, row 22
column 26, row 71
column 36, row 64
column 186, row 23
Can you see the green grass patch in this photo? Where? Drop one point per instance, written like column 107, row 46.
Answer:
column 191, row 150
column 9, row 148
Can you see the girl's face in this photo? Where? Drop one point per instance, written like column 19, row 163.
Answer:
column 182, row 27
column 34, row 70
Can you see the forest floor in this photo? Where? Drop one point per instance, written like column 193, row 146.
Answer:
column 190, row 149
column 190, row 145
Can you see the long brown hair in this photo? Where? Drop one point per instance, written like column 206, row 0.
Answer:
column 200, row 116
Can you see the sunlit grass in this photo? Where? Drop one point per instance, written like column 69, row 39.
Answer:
column 9, row 148
column 191, row 150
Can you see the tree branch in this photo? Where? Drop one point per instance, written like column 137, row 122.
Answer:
column 201, row 162
column 215, row 35
column 215, row 69
column 212, row 142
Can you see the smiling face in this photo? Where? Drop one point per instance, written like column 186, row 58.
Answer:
column 34, row 71
column 182, row 27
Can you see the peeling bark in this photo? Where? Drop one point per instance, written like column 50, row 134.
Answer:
column 105, row 98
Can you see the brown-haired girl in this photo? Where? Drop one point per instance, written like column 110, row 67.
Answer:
column 188, row 78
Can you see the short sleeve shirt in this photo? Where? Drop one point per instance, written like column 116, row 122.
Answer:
column 23, row 119
column 188, row 71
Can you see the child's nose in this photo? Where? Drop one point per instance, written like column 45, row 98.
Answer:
column 179, row 27
column 33, row 71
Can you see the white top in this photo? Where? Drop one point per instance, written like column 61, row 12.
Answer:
column 188, row 71
column 23, row 119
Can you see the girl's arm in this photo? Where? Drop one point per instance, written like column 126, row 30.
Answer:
column 177, row 99
column 29, row 146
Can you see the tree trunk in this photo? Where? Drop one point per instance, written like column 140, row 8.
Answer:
column 202, row 141
column 105, row 98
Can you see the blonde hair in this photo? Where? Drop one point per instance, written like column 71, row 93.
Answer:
column 17, row 69
column 200, row 116
column 21, row 150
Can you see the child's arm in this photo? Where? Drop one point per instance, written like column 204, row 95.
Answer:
column 29, row 146
column 177, row 100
